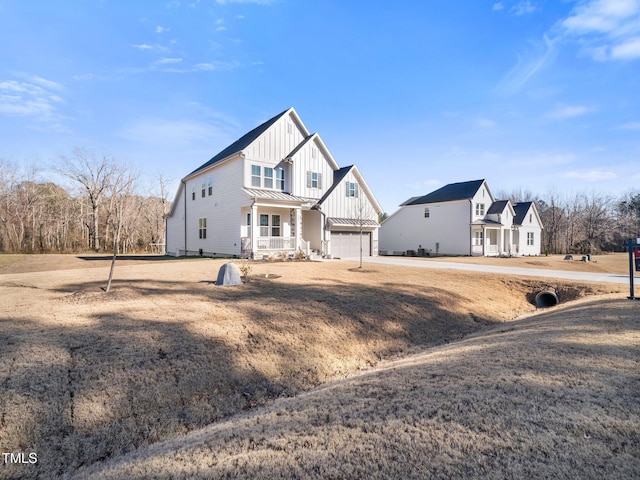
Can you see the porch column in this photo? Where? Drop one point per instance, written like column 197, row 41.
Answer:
column 299, row 229
column 252, row 230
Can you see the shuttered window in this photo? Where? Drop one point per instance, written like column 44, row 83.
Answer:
column 352, row 189
column 314, row 180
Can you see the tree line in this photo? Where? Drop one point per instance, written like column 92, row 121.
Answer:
column 583, row 222
column 101, row 208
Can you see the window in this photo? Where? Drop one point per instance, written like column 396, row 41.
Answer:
column 202, row 226
column 426, row 212
column 248, row 224
column 530, row 238
column 478, row 238
column 352, row 189
column 279, row 179
column 275, row 225
column 314, row 180
column 480, row 209
column 268, row 177
column 255, row 176
column 531, row 218
column 210, row 183
column 193, row 192
column 204, row 185
column 264, row 225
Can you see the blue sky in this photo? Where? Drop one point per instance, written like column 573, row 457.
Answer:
column 530, row 94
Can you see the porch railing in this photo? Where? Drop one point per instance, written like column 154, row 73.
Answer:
column 276, row 243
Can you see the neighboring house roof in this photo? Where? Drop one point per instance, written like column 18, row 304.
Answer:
column 449, row 193
column 406, row 202
column 497, row 207
column 521, row 210
column 242, row 143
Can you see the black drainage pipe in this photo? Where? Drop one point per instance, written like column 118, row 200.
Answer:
column 546, row 298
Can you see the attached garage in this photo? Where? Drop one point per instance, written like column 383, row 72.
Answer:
column 347, row 244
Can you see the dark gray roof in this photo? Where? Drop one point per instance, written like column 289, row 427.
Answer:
column 338, row 175
column 497, row 207
column 242, row 143
column 407, row 202
column 450, row 193
column 521, row 210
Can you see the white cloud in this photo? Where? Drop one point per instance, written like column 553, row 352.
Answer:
column 485, row 123
column 143, row 46
column 497, row 7
column 569, row 111
column 524, row 7
column 37, row 98
column 629, row 126
column 591, row 175
column 161, row 29
column 527, row 67
column 167, row 61
column 627, row 50
column 606, row 29
column 174, row 133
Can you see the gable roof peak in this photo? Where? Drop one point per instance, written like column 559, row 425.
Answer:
column 245, row 140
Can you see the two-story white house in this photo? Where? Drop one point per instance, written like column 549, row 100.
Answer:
column 462, row 219
column 276, row 190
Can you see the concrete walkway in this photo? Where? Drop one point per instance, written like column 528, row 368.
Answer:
column 531, row 272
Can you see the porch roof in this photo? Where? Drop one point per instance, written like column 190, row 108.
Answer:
column 351, row 222
column 487, row 221
column 276, row 195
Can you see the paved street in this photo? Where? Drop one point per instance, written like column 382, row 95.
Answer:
column 532, row 272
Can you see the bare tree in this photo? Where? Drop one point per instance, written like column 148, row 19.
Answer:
column 120, row 191
column 363, row 214
column 94, row 175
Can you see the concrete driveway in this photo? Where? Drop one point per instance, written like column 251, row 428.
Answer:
column 531, row 272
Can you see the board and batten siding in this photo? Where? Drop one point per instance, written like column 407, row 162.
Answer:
column 276, row 142
column 447, row 225
column 530, row 225
column 310, row 158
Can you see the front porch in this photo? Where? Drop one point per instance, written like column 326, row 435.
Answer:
column 492, row 240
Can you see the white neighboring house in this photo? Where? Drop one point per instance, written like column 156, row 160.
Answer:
column 462, row 219
column 276, row 190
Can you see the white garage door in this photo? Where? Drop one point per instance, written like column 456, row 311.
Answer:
column 347, row 244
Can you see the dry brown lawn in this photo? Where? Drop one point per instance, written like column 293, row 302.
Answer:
column 87, row 376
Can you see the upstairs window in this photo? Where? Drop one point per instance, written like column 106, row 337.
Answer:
column 193, row 192
column 314, row 180
column 480, row 209
column 426, row 212
column 268, row 177
column 255, row 176
column 210, row 185
column 204, row 185
column 352, row 189
column 279, row 179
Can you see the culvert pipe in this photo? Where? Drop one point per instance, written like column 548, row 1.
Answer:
column 546, row 298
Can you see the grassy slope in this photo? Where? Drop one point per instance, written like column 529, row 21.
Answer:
column 86, row 376
column 553, row 396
